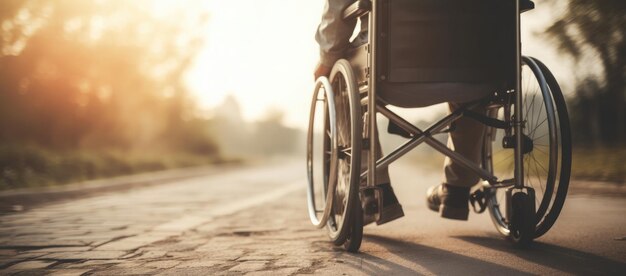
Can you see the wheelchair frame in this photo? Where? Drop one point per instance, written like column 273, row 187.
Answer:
column 418, row 136
column 360, row 9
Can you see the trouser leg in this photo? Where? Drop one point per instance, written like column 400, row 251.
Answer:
column 382, row 175
column 391, row 208
column 466, row 139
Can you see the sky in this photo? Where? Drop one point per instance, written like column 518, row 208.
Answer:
column 263, row 53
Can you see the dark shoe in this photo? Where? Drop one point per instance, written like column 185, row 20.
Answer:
column 392, row 209
column 450, row 201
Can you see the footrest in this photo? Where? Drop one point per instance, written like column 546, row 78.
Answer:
column 479, row 197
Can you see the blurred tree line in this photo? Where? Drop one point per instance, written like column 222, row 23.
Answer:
column 95, row 88
column 595, row 30
column 265, row 137
column 98, row 74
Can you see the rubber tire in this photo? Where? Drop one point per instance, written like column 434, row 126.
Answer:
column 546, row 220
column 340, row 236
column 566, row 152
column 353, row 242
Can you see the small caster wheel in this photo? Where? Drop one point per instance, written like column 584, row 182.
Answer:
column 522, row 219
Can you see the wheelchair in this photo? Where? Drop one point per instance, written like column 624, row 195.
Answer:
column 429, row 52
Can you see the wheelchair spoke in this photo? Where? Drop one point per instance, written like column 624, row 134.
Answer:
column 527, row 164
column 537, row 123
column 532, row 103
column 538, row 163
column 546, row 119
column 530, row 119
column 537, row 138
column 535, row 163
column 537, row 178
column 542, row 151
column 540, row 185
column 540, row 181
column 504, row 159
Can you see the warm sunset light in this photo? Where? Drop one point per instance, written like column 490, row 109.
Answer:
column 189, row 137
column 261, row 52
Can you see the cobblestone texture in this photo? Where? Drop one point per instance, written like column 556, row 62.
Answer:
column 254, row 222
column 187, row 228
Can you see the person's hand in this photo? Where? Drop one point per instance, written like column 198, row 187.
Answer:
column 321, row 70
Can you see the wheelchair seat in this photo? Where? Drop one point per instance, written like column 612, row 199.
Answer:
column 404, row 94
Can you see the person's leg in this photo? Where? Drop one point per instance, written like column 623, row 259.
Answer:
column 451, row 197
column 466, row 139
column 392, row 209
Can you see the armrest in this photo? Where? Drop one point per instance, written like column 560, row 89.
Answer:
column 357, row 9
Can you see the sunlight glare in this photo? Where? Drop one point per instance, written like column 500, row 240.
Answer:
column 261, row 52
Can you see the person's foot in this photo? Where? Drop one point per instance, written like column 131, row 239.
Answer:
column 450, row 201
column 392, row 209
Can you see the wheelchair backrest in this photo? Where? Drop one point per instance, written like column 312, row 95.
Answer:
column 446, row 40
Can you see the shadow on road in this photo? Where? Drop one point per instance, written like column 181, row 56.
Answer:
column 433, row 260
column 560, row 258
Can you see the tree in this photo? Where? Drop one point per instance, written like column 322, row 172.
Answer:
column 98, row 73
column 271, row 136
column 596, row 27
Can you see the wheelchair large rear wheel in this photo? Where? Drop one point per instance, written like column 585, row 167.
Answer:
column 342, row 226
column 334, row 155
column 547, row 150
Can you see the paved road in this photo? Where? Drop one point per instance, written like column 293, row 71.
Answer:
column 253, row 221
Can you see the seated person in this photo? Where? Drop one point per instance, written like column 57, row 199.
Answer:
column 449, row 198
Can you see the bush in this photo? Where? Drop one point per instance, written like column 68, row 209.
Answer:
column 32, row 166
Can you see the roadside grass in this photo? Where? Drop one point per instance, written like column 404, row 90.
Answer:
column 31, row 166
column 593, row 164
column 600, row 164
